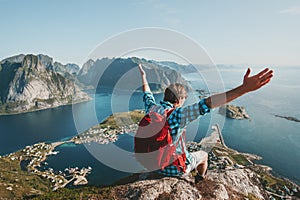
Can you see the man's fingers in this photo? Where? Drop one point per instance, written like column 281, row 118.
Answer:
column 247, row 73
column 262, row 72
column 265, row 82
column 266, row 76
column 270, row 72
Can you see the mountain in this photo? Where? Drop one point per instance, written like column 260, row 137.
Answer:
column 29, row 82
column 178, row 67
column 68, row 70
column 106, row 72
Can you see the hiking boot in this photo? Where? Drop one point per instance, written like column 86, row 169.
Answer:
column 199, row 178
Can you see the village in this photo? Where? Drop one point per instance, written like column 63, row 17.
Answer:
column 31, row 159
column 221, row 159
column 103, row 135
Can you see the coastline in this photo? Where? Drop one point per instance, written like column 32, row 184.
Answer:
column 34, row 110
column 224, row 157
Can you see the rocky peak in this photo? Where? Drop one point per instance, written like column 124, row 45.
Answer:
column 32, row 84
column 32, row 62
column 86, row 67
column 45, row 60
column 14, row 59
column 234, row 184
column 72, row 68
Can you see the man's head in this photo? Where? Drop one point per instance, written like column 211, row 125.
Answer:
column 176, row 94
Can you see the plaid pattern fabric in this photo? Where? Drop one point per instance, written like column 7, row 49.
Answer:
column 178, row 120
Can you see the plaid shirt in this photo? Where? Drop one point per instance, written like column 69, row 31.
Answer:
column 178, row 120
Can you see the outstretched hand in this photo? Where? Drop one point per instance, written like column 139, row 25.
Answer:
column 255, row 82
column 250, row 83
column 142, row 71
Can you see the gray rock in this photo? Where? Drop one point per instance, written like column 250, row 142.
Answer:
column 240, row 180
column 153, row 189
column 220, row 192
column 234, row 112
column 30, row 85
column 220, row 185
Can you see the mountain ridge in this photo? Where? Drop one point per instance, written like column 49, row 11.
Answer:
column 106, row 72
column 28, row 84
column 32, row 82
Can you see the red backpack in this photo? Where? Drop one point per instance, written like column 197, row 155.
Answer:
column 153, row 144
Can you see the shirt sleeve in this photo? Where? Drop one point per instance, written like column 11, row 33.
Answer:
column 182, row 116
column 148, row 100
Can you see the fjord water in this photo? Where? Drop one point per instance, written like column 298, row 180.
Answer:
column 277, row 140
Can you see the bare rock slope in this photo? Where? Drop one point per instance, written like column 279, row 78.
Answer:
column 28, row 84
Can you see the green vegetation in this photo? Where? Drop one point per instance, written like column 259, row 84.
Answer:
column 17, row 184
column 8, row 108
column 252, row 197
column 48, row 101
column 123, row 119
column 79, row 193
column 268, row 179
column 240, row 159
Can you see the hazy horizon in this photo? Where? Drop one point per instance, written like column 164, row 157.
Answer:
column 150, row 59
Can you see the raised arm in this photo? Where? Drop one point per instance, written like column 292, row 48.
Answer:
column 250, row 83
column 146, row 87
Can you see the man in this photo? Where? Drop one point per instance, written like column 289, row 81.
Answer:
column 175, row 96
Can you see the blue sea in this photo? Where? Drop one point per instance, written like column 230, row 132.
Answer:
column 275, row 139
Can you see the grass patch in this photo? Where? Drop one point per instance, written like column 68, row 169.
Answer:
column 79, row 193
column 118, row 120
column 240, row 159
column 48, row 101
column 17, row 184
column 252, row 197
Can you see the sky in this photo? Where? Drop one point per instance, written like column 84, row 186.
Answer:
column 232, row 31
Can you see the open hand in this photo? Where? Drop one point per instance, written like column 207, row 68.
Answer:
column 255, row 82
column 142, row 71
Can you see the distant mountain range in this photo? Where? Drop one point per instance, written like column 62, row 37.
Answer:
column 178, row 67
column 106, row 72
column 35, row 82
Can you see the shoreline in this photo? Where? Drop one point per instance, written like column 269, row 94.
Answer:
column 35, row 110
column 107, row 132
column 113, row 135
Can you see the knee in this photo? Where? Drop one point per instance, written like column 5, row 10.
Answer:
column 205, row 156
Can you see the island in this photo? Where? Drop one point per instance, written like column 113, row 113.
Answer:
column 288, row 118
column 231, row 174
column 234, row 112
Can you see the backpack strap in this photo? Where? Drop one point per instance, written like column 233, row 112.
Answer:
column 168, row 112
column 182, row 157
